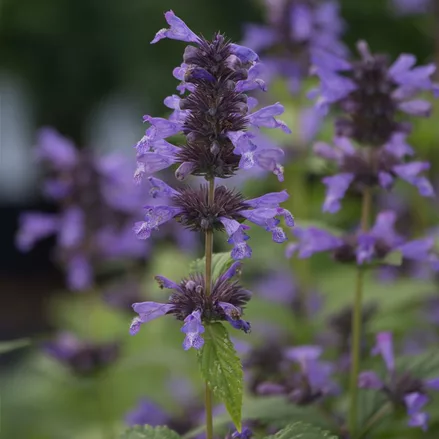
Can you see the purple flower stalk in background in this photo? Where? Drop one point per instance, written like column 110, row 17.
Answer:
column 82, row 358
column 190, row 207
column 409, row 7
column 309, row 384
column 295, row 30
column 400, row 387
column 363, row 247
column 190, row 304
column 95, row 209
column 372, row 95
column 214, row 117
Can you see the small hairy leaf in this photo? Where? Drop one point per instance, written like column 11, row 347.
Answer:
column 148, row 432
column 220, row 263
column 300, row 430
column 7, row 346
column 221, row 368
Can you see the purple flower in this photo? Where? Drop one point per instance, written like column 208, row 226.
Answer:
column 371, row 93
column 227, row 213
column 294, row 30
column 363, row 247
column 400, row 387
column 377, row 167
column 82, row 358
column 189, row 304
column 212, row 72
column 245, row 434
column 97, row 205
column 146, row 413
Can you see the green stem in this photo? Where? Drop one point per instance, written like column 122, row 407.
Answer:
column 208, row 255
column 356, row 322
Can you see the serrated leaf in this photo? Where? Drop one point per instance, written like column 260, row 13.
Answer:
column 12, row 345
column 221, row 368
column 300, row 430
column 220, row 263
column 273, row 410
column 148, row 432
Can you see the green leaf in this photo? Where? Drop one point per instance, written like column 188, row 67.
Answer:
column 148, row 432
column 7, row 346
column 300, row 430
column 274, row 410
column 221, row 368
column 220, row 263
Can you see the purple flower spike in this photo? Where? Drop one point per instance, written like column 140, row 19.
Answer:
column 56, row 149
column 178, row 31
column 384, row 347
column 313, row 240
column 245, row 434
column 193, row 328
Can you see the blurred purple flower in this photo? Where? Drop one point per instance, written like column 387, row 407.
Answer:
column 400, row 387
column 82, row 358
column 364, row 247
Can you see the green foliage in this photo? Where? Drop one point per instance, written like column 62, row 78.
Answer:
column 220, row 263
column 273, row 410
column 300, row 430
column 8, row 346
column 393, row 258
column 221, row 368
column 148, row 432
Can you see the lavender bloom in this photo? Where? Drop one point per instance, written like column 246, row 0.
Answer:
column 146, row 413
column 401, row 388
column 96, row 209
column 361, row 168
column 295, row 29
column 190, row 304
column 245, row 434
column 371, row 93
column 82, row 358
column 309, row 384
column 190, row 207
column 364, row 247
column 213, row 116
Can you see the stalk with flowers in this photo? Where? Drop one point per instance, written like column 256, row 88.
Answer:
column 216, row 119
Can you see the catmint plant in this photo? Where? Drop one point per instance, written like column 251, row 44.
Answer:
column 371, row 152
column 217, row 119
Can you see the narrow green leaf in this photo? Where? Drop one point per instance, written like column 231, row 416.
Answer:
column 300, row 430
column 148, row 432
column 7, row 346
column 221, row 368
column 220, row 263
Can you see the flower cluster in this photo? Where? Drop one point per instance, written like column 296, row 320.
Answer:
column 310, row 383
column 190, row 304
column 401, row 388
column 296, row 30
column 215, row 116
column 82, row 358
column 191, row 208
column 364, row 247
column 95, row 209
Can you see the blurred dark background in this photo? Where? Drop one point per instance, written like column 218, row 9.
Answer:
column 86, row 67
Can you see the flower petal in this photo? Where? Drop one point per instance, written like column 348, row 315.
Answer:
column 178, row 30
column 336, row 187
column 193, row 328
